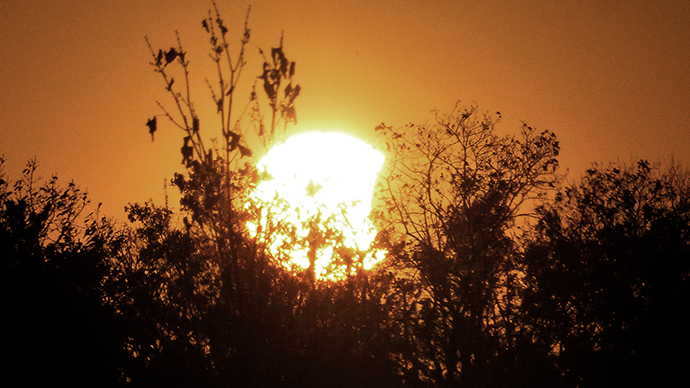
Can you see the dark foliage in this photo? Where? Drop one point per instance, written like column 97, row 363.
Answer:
column 594, row 298
column 53, row 263
column 608, row 271
column 214, row 308
column 470, row 294
column 454, row 192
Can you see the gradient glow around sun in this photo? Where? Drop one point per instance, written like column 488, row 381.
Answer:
column 319, row 182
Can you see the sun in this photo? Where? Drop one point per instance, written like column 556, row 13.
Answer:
column 313, row 210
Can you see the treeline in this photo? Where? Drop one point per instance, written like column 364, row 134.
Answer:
column 499, row 273
column 591, row 292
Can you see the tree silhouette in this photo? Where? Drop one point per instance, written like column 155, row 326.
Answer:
column 206, row 294
column 454, row 191
column 607, row 271
column 53, row 260
column 590, row 292
column 212, row 306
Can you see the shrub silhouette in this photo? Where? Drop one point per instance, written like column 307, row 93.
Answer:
column 607, row 269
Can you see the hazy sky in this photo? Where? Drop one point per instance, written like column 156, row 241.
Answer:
column 610, row 78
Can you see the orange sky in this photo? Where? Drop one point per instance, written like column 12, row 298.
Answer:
column 610, row 78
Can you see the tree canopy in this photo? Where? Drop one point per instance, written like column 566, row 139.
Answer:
column 498, row 272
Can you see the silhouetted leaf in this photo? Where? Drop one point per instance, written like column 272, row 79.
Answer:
column 179, row 181
column 170, row 55
column 151, row 123
column 290, row 114
column 244, row 151
column 270, row 92
column 295, row 93
column 234, row 141
column 159, row 58
column 275, row 55
column 187, row 151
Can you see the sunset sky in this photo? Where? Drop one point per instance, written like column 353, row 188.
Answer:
column 610, row 78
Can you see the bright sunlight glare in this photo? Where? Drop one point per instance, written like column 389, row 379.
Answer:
column 313, row 210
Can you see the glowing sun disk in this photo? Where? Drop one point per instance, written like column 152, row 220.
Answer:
column 321, row 184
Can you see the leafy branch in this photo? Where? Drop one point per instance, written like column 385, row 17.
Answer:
column 215, row 180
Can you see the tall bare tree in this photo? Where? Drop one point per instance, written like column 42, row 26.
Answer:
column 454, row 193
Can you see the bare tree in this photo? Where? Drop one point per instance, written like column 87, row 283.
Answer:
column 454, row 190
